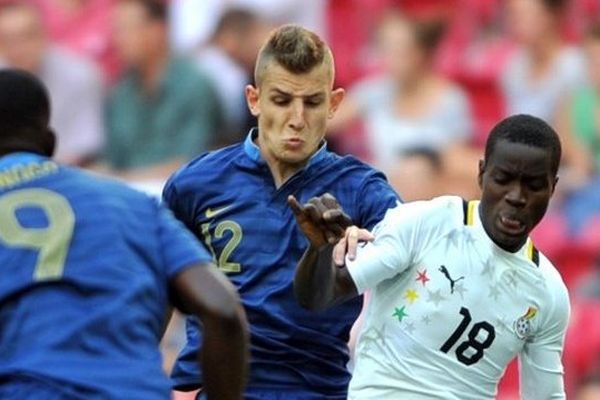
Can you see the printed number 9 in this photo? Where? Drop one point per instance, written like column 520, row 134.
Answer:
column 52, row 242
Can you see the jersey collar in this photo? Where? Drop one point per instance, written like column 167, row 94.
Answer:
column 253, row 151
column 21, row 157
column 472, row 218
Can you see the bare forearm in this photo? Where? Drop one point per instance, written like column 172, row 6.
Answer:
column 315, row 280
column 225, row 357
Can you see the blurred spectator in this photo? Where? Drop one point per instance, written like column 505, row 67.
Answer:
column 162, row 111
column 589, row 389
column 580, row 118
column 418, row 175
column 83, row 26
column 410, row 105
column 193, row 21
column 74, row 84
column 544, row 69
column 228, row 60
column 579, row 126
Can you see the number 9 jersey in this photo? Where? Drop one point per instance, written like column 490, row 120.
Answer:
column 84, row 269
column 450, row 309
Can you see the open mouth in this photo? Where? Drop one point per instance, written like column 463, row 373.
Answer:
column 511, row 225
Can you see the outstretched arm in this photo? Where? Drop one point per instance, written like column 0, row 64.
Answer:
column 203, row 291
column 320, row 283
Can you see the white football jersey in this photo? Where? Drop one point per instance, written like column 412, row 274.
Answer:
column 449, row 309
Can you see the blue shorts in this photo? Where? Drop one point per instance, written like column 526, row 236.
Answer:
column 264, row 394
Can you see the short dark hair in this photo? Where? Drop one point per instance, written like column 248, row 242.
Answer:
column 295, row 48
column 555, row 6
column 155, row 9
column 527, row 130
column 24, row 112
column 593, row 31
column 236, row 19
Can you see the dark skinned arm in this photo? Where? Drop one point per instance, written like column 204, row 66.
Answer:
column 203, row 291
column 320, row 282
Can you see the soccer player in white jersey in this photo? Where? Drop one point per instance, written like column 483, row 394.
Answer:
column 458, row 289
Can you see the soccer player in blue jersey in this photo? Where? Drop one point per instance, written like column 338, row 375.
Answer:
column 235, row 200
column 87, row 270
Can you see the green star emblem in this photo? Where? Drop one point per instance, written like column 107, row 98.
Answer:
column 399, row 312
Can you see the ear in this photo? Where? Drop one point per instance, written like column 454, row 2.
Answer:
column 480, row 173
column 49, row 142
column 252, row 99
column 337, row 96
column 555, row 181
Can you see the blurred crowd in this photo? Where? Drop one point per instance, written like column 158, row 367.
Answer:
column 138, row 89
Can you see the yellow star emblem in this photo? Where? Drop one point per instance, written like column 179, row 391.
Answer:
column 411, row 295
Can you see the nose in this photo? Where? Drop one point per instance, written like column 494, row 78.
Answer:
column 516, row 196
column 297, row 121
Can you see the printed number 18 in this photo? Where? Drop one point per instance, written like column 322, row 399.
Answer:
column 472, row 342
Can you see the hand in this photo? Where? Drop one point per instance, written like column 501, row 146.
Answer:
column 321, row 219
column 349, row 243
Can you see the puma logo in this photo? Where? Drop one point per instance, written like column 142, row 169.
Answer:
column 444, row 271
column 211, row 213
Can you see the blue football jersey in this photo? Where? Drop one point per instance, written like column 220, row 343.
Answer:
column 229, row 200
column 84, row 269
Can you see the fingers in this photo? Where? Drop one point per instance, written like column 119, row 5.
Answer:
column 294, row 205
column 339, row 252
column 354, row 237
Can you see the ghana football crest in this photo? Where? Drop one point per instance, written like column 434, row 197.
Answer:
column 523, row 324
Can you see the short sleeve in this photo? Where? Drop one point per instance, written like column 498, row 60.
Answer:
column 391, row 252
column 177, row 203
column 540, row 363
column 180, row 249
column 375, row 198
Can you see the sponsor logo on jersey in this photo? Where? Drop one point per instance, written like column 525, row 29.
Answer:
column 213, row 212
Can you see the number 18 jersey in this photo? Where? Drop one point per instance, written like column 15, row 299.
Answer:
column 450, row 309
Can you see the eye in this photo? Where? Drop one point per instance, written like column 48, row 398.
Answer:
column 313, row 102
column 501, row 178
column 537, row 184
column 280, row 100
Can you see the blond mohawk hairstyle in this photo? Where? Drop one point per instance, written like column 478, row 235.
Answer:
column 295, row 48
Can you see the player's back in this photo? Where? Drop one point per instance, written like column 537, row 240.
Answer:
column 82, row 287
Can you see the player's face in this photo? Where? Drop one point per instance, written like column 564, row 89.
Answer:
column 292, row 111
column 517, row 183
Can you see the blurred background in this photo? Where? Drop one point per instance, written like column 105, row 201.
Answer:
column 138, row 90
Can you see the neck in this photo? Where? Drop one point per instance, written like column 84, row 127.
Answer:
column 414, row 85
column 543, row 51
column 280, row 170
column 151, row 72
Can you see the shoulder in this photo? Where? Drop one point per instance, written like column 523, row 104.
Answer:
column 556, row 288
column 72, row 68
column 350, row 172
column 105, row 190
column 205, row 168
column 438, row 214
column 186, row 76
column 371, row 91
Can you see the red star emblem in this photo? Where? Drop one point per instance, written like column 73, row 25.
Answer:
column 422, row 277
